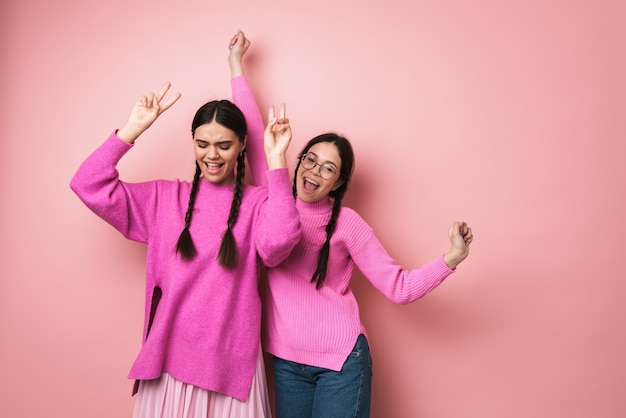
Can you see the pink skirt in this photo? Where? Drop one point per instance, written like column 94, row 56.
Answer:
column 167, row 397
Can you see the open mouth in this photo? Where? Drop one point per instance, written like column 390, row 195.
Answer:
column 309, row 186
column 213, row 167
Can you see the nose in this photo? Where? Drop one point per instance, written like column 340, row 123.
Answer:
column 317, row 167
column 211, row 152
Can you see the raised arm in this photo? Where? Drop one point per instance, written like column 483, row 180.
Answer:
column 398, row 284
column 127, row 207
column 244, row 99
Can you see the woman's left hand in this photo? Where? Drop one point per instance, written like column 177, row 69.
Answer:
column 277, row 138
column 461, row 237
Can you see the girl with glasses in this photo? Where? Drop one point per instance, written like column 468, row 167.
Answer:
column 321, row 360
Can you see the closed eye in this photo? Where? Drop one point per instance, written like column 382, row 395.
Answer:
column 225, row 145
column 329, row 168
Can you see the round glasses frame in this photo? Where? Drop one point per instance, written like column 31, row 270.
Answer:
column 327, row 171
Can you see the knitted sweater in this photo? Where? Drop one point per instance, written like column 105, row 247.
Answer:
column 205, row 328
column 320, row 327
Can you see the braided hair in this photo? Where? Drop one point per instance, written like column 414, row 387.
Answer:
column 230, row 116
column 347, row 165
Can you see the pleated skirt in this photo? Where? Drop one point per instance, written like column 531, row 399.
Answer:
column 167, row 397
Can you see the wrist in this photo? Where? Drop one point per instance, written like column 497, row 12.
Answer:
column 236, row 67
column 128, row 132
column 453, row 258
column 276, row 161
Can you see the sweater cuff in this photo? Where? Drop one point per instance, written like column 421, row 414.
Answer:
column 278, row 181
column 440, row 265
column 121, row 144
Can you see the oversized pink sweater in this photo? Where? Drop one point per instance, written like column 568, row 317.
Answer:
column 320, row 327
column 206, row 326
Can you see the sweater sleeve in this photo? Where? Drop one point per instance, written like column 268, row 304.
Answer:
column 244, row 99
column 127, row 207
column 397, row 284
column 278, row 230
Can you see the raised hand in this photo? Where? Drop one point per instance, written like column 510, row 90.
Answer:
column 146, row 110
column 277, row 137
column 238, row 46
column 460, row 238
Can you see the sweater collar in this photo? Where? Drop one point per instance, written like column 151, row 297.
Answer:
column 321, row 206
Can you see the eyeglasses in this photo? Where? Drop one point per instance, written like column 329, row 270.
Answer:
column 327, row 170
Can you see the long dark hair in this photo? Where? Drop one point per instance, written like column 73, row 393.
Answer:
column 345, row 174
column 230, row 116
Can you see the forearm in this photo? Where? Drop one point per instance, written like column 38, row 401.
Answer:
column 236, row 67
column 244, row 99
column 280, row 228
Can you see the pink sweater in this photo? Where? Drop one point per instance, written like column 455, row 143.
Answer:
column 206, row 329
column 320, row 327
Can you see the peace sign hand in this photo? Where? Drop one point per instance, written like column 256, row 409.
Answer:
column 146, row 110
column 277, row 138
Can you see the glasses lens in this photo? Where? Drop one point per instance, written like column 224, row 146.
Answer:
column 327, row 171
column 308, row 162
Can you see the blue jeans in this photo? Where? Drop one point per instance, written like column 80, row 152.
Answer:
column 313, row 392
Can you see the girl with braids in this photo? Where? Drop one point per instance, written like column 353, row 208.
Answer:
column 201, row 354
column 322, row 365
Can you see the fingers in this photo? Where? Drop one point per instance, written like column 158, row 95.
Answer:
column 467, row 235
column 149, row 100
column 153, row 101
column 461, row 229
column 240, row 40
column 280, row 123
column 156, row 101
column 235, row 39
column 271, row 117
column 170, row 102
column 163, row 91
column 465, row 232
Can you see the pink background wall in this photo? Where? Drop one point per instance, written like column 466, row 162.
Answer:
column 507, row 114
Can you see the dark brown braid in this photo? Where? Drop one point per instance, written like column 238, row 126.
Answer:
column 322, row 259
column 185, row 245
column 228, row 249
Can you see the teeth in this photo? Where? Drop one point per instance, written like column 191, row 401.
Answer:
column 312, row 182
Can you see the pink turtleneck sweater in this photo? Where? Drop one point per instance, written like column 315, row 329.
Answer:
column 206, row 326
column 320, row 327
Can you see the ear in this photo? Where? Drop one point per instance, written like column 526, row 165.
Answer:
column 337, row 184
column 245, row 142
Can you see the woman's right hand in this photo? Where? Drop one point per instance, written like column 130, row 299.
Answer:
column 277, row 138
column 146, row 110
column 238, row 46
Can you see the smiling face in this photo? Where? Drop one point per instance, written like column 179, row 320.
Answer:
column 310, row 185
column 217, row 148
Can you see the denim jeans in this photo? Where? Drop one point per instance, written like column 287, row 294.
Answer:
column 313, row 392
